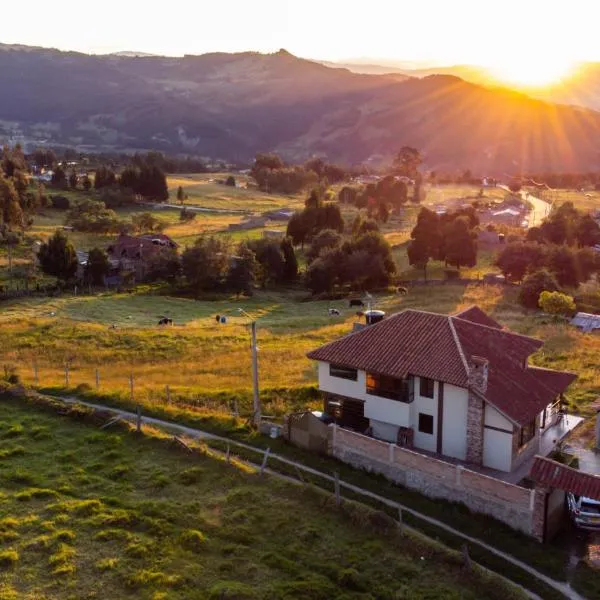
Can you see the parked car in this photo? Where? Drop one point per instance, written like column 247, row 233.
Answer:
column 585, row 512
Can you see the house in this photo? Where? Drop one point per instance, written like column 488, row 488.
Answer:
column 458, row 386
column 132, row 253
column 587, row 322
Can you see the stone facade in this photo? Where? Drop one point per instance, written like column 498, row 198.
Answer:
column 475, row 417
column 478, row 374
column 538, row 524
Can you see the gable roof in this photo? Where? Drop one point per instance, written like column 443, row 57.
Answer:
column 476, row 315
column 441, row 347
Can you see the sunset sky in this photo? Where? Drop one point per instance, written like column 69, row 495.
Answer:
column 517, row 37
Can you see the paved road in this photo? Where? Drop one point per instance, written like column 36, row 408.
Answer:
column 540, row 208
column 560, row 586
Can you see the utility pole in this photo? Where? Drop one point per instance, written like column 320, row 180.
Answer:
column 255, row 391
column 256, row 396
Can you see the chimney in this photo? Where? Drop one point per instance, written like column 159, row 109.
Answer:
column 478, row 373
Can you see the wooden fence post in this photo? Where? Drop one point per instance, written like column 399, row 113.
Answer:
column 36, row 378
column 168, row 393
column 131, row 386
column 67, row 375
column 138, row 423
column 338, row 498
column 227, row 456
column 265, row 459
column 400, row 522
column 97, row 379
column 466, row 557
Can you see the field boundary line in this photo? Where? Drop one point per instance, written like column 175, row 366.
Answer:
column 562, row 587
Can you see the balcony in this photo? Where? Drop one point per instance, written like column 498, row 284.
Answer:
column 401, row 390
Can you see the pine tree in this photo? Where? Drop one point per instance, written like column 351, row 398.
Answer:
column 57, row 257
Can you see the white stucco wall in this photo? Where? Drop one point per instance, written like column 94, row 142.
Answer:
column 426, row 406
column 384, row 431
column 454, row 422
column 338, row 385
column 497, row 445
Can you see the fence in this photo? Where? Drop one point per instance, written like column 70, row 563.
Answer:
column 511, row 504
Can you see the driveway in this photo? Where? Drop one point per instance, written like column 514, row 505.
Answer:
column 540, row 209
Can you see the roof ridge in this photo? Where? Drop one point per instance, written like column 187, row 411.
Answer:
column 503, row 331
column 459, row 347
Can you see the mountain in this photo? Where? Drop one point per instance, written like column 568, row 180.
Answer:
column 234, row 105
column 580, row 88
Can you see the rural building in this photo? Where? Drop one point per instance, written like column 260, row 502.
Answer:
column 587, row 322
column 457, row 386
column 132, row 253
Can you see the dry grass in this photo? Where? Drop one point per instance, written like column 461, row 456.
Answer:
column 197, row 356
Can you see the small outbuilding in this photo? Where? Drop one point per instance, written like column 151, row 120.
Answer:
column 587, row 322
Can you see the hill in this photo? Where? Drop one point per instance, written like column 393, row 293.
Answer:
column 107, row 514
column 233, row 105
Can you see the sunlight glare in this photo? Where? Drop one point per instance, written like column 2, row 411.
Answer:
column 531, row 72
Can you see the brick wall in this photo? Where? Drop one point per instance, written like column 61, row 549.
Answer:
column 509, row 503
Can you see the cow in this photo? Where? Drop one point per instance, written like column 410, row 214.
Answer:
column 333, row 312
column 218, row 318
column 165, row 321
column 356, row 302
column 402, row 291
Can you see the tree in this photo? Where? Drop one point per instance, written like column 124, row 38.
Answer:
column 73, row 180
column 555, row 303
column 57, row 257
column 533, row 285
column 347, row 195
column 147, row 223
column 290, row 262
column 11, row 214
column 44, row 158
column 270, row 260
column 517, row 259
column 407, row 162
column 180, row 195
column 427, row 240
column 587, row 231
column 230, row 181
column 297, row 229
column 130, row 179
column 325, row 239
column 153, row 184
column 164, row 266
column 514, row 185
column 206, row 263
column 588, row 263
column 380, row 271
column 59, row 177
column 561, row 262
column 97, row 266
column 242, row 273
column 383, row 213
column 86, row 183
column 460, row 243
column 89, row 215
column 104, row 177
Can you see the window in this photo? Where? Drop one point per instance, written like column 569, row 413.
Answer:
column 527, row 433
column 426, row 387
column 389, row 387
column 343, row 372
column 425, row 423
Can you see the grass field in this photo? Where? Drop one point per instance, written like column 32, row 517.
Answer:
column 587, row 200
column 199, row 357
column 203, row 190
column 91, row 514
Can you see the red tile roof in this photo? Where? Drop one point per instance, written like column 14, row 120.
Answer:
column 556, row 475
column 440, row 347
column 476, row 315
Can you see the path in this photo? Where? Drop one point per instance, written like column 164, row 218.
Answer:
column 561, row 587
column 540, row 209
column 200, row 209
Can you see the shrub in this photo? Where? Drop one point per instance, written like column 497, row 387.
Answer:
column 534, row 285
column 193, row 540
column 191, row 476
column 555, row 303
column 106, row 564
column 232, row 590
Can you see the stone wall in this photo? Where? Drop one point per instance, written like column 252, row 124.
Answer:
column 506, row 502
column 475, row 417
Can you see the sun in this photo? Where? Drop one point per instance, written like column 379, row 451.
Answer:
column 531, row 72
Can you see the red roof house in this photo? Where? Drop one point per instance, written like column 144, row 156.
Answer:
column 461, row 384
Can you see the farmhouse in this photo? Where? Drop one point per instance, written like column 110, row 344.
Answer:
column 457, row 386
column 131, row 253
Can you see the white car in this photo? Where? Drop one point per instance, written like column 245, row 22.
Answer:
column 585, row 512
